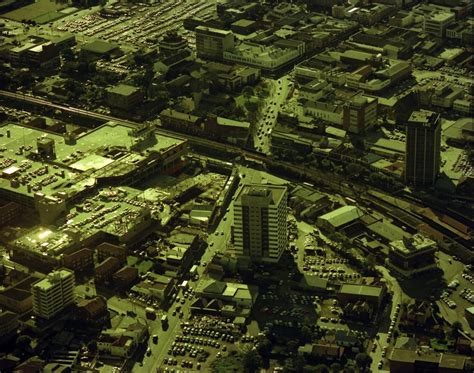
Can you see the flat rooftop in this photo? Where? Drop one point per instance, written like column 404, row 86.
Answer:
column 52, row 279
column 112, row 149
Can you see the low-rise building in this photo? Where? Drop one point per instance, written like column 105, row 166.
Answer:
column 9, row 211
column 159, row 287
column 241, row 295
column 412, row 256
column 8, row 324
column 124, row 97
column 79, row 261
column 106, row 250
column 339, row 218
column 352, row 293
column 408, row 361
column 92, row 311
column 18, row 297
column 266, row 58
column 123, row 340
column 125, row 277
column 105, row 270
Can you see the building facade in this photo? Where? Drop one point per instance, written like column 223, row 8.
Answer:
column 53, row 293
column 423, row 148
column 360, row 114
column 260, row 226
column 211, row 43
column 410, row 257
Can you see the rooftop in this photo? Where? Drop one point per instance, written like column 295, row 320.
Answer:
column 416, row 243
column 123, row 89
column 53, row 278
column 342, row 215
column 364, row 290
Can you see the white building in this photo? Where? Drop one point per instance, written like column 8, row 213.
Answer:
column 340, row 217
column 260, row 222
column 436, row 23
column 264, row 57
column 53, row 293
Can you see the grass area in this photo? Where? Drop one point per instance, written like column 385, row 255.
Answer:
column 36, row 10
column 228, row 364
column 438, row 345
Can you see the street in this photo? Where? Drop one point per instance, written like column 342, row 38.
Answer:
column 270, row 114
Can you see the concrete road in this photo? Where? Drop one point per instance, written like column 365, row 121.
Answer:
column 381, row 339
column 269, row 117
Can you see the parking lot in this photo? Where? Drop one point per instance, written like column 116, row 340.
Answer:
column 315, row 257
column 200, row 341
column 137, row 25
column 285, row 311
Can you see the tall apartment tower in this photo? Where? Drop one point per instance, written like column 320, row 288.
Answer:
column 423, row 148
column 211, row 42
column 53, row 293
column 260, row 222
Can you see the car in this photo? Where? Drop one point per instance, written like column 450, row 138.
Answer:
column 148, row 351
column 380, row 365
column 155, row 339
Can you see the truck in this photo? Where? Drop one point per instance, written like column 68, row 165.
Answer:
column 194, row 270
column 150, row 313
column 184, row 285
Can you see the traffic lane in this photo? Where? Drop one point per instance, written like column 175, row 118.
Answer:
column 173, row 328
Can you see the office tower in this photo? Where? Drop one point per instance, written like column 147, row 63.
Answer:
column 53, row 293
column 260, row 226
column 360, row 114
column 423, row 143
column 211, row 43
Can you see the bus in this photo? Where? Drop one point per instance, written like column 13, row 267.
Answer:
column 150, row 313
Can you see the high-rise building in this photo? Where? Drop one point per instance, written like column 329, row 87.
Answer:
column 360, row 114
column 53, row 293
column 423, row 148
column 211, row 42
column 260, row 222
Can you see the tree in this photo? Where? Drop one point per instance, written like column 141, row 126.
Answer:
column 92, row 346
column 306, row 334
column 354, row 169
column 247, row 91
column 252, row 361
column 23, row 343
column 362, row 360
column 264, row 346
column 321, row 368
column 292, row 345
column 68, row 55
column 456, row 327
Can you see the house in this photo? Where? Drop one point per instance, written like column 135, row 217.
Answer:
column 92, row 311
column 122, row 340
column 419, row 312
column 322, row 350
column 239, row 294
